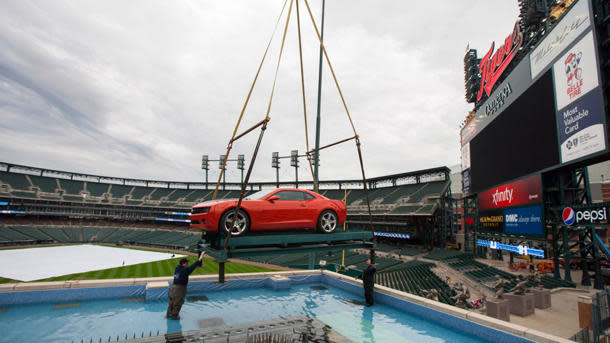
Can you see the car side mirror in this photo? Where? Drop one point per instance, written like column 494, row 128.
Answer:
column 274, row 198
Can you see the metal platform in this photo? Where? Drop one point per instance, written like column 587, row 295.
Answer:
column 290, row 242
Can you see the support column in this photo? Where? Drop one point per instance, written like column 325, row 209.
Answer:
column 599, row 279
column 566, row 254
column 311, row 260
column 221, row 272
column 584, row 261
column 556, row 273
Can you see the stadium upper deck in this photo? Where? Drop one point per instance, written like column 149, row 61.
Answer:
column 36, row 191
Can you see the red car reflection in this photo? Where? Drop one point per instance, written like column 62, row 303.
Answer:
column 276, row 209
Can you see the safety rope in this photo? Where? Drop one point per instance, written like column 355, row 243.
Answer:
column 243, row 110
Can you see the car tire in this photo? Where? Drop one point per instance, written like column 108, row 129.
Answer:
column 327, row 221
column 242, row 224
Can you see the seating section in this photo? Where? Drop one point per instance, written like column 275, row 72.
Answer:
column 409, row 251
column 139, row 192
column 159, row 193
column 168, row 239
column 72, row 187
column 45, row 184
column 120, row 191
column 403, row 191
column 15, row 181
column 415, row 277
column 479, row 271
column 546, row 282
column 409, row 199
column 97, row 189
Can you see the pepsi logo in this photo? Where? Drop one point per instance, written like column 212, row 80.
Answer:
column 568, row 216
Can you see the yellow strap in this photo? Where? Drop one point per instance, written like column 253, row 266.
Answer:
column 313, row 177
column 224, row 163
column 313, row 21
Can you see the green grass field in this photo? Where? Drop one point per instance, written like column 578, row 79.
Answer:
column 153, row 269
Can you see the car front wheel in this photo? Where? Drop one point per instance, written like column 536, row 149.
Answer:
column 240, row 226
column 327, row 222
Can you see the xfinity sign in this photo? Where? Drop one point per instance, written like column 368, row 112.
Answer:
column 570, row 216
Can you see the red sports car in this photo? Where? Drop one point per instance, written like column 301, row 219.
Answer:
column 276, row 209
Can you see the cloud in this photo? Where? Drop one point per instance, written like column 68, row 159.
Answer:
column 142, row 90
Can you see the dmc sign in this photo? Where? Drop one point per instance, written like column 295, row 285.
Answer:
column 570, row 216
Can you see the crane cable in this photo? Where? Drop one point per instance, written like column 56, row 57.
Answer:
column 356, row 137
column 315, row 182
column 264, row 127
column 243, row 110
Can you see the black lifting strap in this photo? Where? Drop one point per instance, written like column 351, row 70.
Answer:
column 245, row 184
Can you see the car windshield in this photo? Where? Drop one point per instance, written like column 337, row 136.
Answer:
column 260, row 194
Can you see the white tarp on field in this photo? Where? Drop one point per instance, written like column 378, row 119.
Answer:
column 41, row 263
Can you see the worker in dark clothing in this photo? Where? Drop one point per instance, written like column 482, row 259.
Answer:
column 178, row 290
column 368, row 281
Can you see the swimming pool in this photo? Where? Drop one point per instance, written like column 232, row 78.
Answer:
column 247, row 301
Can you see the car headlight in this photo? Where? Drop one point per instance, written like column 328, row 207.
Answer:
column 198, row 210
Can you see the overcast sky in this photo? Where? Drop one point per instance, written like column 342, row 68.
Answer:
column 141, row 89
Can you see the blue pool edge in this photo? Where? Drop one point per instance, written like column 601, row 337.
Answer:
column 157, row 288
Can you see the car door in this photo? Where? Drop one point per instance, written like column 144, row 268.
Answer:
column 290, row 210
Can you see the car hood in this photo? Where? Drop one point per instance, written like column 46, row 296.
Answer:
column 214, row 202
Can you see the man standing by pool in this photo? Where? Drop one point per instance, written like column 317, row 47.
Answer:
column 178, row 291
column 368, row 281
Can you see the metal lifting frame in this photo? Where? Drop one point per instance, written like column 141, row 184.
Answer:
column 263, row 123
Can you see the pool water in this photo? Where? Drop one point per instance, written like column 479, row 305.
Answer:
column 102, row 319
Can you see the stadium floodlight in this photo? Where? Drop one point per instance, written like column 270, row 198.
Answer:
column 275, row 163
column 241, row 161
column 240, row 165
column 221, row 161
column 294, row 158
column 294, row 162
column 205, row 165
column 275, row 159
column 204, row 162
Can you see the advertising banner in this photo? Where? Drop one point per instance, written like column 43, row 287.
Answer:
column 466, row 182
column 469, row 131
column 581, row 127
column 466, row 156
column 575, row 22
column 520, row 192
column 492, row 221
column 523, row 220
column 575, row 73
column 517, row 249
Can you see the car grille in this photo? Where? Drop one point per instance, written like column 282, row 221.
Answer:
column 197, row 210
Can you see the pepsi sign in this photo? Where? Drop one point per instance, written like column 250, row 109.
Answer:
column 571, row 216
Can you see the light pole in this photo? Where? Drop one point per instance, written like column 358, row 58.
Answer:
column 205, row 166
column 275, row 163
column 240, row 165
column 294, row 162
column 220, row 166
column 316, row 154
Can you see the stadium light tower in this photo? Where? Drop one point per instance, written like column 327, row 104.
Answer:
column 240, row 165
column 224, row 174
column 294, row 162
column 275, row 163
column 205, row 166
